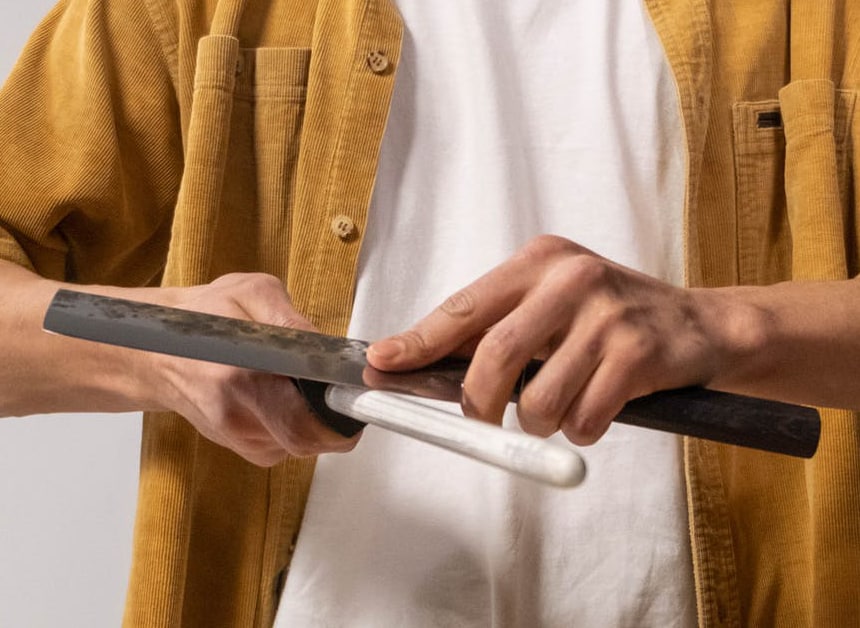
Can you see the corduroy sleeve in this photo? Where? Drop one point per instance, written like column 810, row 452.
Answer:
column 90, row 147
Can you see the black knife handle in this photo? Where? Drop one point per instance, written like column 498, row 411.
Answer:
column 314, row 394
column 774, row 426
column 722, row 417
column 728, row 418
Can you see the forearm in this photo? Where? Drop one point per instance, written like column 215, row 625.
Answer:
column 792, row 341
column 42, row 373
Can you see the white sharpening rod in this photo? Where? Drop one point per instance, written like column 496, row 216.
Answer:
column 520, row 453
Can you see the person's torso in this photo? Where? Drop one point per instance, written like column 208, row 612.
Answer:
column 509, row 121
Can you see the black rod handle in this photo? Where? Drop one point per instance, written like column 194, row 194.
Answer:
column 314, row 394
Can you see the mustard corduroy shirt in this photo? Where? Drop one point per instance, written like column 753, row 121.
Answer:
column 173, row 141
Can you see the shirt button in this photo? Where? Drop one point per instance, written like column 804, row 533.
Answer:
column 378, row 61
column 343, row 226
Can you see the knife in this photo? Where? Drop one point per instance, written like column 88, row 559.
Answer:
column 327, row 370
column 335, row 378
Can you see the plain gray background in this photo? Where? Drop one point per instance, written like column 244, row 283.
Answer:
column 68, row 483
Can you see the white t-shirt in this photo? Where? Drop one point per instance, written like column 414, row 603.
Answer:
column 510, row 119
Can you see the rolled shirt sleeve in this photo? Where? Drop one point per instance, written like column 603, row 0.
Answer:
column 90, row 147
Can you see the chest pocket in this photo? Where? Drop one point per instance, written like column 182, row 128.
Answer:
column 769, row 227
column 260, row 174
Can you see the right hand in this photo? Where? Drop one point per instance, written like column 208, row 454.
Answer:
column 260, row 416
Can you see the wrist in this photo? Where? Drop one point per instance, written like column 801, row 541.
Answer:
column 742, row 330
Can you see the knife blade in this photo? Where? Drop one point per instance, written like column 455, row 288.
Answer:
column 317, row 360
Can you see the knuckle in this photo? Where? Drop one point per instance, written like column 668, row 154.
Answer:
column 288, row 318
column 417, row 342
column 640, row 353
column 588, row 421
column 548, row 244
column 229, row 279
column 344, row 445
column 460, row 304
column 483, row 407
column 641, row 347
column 262, row 282
column 541, row 248
column 586, row 272
column 582, row 430
column 537, row 425
column 302, row 450
column 264, row 459
column 501, row 344
column 541, row 406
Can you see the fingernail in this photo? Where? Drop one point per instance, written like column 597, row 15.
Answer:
column 388, row 349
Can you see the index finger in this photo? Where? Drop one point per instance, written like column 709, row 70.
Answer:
column 463, row 316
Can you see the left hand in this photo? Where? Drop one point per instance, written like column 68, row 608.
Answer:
column 608, row 334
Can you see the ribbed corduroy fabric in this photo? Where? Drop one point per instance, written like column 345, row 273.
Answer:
column 776, row 541
column 176, row 140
